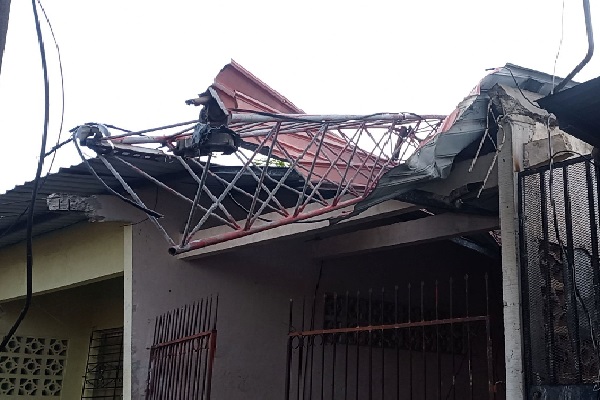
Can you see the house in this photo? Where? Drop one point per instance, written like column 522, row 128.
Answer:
column 388, row 277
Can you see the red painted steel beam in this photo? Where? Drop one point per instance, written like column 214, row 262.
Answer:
column 200, row 243
column 404, row 325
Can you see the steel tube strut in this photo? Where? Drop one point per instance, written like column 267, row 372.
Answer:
column 314, row 164
column 238, row 117
column 136, row 198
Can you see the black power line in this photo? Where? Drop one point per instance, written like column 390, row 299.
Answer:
column 58, row 144
column 62, row 90
column 29, row 244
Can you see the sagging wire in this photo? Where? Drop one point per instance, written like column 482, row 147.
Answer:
column 496, row 154
column 107, row 187
column 497, row 147
column 588, row 56
column 563, row 251
column 486, row 133
column 58, row 144
column 34, row 192
column 117, row 128
column 53, row 150
column 575, row 153
column 562, row 34
column 62, row 89
column 312, row 317
column 519, row 87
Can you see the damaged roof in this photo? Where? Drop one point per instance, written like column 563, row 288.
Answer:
column 77, row 180
column 236, row 90
column 235, row 87
column 434, row 160
column 577, row 110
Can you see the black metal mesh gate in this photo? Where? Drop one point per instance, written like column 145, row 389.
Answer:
column 561, row 293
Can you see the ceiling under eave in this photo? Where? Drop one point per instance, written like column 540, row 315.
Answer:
column 577, row 110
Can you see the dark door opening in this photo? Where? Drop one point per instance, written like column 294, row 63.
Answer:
column 429, row 340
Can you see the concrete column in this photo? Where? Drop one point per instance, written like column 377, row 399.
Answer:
column 515, row 131
column 127, row 309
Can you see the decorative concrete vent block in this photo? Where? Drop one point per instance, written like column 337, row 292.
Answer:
column 32, row 368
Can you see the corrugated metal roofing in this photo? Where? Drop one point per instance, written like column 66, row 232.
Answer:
column 77, row 180
column 433, row 161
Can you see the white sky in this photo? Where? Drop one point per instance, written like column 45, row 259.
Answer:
column 133, row 63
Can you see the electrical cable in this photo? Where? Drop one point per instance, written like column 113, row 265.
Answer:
column 62, row 89
column 498, row 147
column 147, row 218
column 111, row 190
column 562, row 35
column 519, row 87
column 117, row 128
column 15, row 222
column 563, row 251
column 573, row 152
column 58, row 145
column 588, row 56
column 62, row 116
column 313, row 312
column 29, row 241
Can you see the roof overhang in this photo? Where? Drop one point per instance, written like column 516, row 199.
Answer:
column 577, row 110
column 4, row 12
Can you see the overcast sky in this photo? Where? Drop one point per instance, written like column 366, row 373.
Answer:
column 133, row 63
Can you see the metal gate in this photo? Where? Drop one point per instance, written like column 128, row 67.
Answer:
column 183, row 353
column 558, row 209
column 424, row 341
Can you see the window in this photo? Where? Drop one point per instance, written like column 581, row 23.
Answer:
column 104, row 371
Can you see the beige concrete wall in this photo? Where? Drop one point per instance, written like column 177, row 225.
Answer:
column 70, row 314
column 71, row 256
column 254, row 287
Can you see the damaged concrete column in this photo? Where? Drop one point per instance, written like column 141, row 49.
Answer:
column 516, row 127
column 526, row 144
column 511, row 288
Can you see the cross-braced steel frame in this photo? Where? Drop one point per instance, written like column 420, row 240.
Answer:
column 339, row 157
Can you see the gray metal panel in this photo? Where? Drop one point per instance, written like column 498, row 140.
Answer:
column 434, row 160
